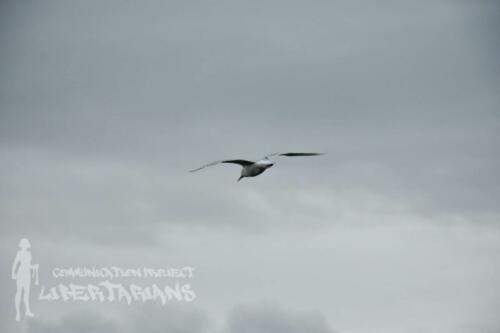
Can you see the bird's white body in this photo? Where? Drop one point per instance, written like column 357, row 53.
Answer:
column 256, row 169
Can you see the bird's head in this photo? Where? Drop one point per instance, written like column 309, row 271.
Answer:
column 267, row 163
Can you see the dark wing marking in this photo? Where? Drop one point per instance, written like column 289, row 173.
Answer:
column 240, row 162
column 294, row 154
column 300, row 154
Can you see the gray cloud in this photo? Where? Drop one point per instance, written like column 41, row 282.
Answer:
column 173, row 319
column 273, row 319
column 242, row 319
column 87, row 322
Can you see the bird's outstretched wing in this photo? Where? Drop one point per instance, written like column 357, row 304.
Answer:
column 240, row 162
column 294, row 154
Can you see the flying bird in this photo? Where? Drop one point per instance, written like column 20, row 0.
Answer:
column 252, row 168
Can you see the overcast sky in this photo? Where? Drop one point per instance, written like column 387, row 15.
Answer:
column 105, row 105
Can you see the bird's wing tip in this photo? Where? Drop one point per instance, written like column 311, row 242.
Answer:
column 300, row 154
column 204, row 166
column 197, row 169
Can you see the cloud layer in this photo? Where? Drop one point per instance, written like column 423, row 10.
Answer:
column 104, row 107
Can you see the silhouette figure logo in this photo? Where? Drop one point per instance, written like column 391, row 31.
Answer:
column 23, row 272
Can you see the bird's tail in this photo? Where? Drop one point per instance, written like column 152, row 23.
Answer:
column 239, row 178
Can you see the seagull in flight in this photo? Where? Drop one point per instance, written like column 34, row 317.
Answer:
column 255, row 168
